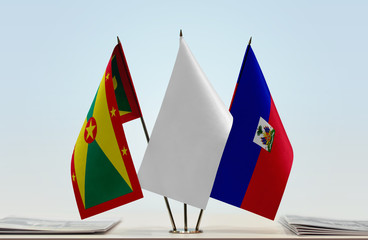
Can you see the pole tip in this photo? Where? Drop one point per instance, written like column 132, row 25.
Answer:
column 118, row 39
column 250, row 41
column 181, row 33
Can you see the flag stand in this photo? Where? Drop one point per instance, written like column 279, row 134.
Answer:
column 186, row 230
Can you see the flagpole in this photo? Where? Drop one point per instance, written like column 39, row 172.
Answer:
column 170, row 213
column 147, row 138
column 144, row 128
column 185, row 205
column 199, row 220
column 185, row 218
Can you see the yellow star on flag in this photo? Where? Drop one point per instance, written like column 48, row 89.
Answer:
column 113, row 112
column 124, row 151
column 90, row 130
column 73, row 177
column 107, row 76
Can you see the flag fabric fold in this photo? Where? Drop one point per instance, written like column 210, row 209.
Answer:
column 258, row 156
column 188, row 137
column 102, row 170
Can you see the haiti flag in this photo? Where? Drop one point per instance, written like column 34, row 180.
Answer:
column 257, row 158
column 102, row 170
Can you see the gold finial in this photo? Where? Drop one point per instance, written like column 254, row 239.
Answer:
column 118, row 39
column 181, row 33
column 250, row 41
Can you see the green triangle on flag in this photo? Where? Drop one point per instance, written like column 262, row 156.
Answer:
column 103, row 182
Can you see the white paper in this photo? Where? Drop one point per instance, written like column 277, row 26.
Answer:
column 188, row 138
column 322, row 226
column 46, row 226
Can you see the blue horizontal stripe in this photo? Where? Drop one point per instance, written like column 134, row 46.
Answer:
column 251, row 101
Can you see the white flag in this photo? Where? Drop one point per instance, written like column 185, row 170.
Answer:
column 188, row 138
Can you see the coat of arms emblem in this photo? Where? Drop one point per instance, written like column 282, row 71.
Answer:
column 264, row 135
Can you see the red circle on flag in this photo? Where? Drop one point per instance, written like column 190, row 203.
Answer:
column 90, row 131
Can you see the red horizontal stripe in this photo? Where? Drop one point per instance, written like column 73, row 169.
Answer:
column 271, row 173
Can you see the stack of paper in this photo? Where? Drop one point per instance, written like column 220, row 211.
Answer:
column 42, row 226
column 322, row 226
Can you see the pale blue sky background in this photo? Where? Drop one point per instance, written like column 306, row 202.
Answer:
column 312, row 53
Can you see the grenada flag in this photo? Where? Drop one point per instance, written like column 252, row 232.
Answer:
column 257, row 159
column 102, row 170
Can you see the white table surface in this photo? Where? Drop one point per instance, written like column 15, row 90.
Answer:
column 214, row 226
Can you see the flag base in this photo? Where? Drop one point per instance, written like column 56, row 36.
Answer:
column 182, row 231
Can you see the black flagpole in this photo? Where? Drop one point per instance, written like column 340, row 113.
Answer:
column 199, row 220
column 147, row 138
column 185, row 205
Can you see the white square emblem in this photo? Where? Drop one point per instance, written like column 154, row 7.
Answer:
column 264, row 135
